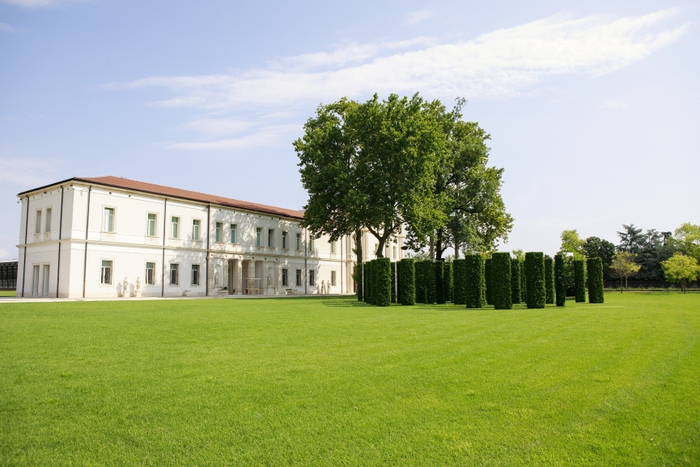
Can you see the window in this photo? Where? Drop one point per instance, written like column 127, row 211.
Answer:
column 332, row 247
column 195, row 274
column 151, row 230
column 394, row 253
column 37, row 227
column 298, row 277
column 47, row 228
column 195, row 229
column 174, row 274
column 298, row 241
column 175, row 230
column 109, row 220
column 333, row 278
column 258, row 236
column 284, row 239
column 312, row 278
column 218, row 231
column 45, row 282
column 150, row 273
column 106, row 273
column 271, row 237
column 233, row 233
column 285, row 279
column 35, row 281
column 311, row 243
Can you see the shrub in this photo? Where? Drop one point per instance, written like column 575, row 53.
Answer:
column 420, row 282
column 430, row 283
column 448, row 287
column 580, row 280
column 475, row 280
column 500, row 281
column 534, row 271
column 488, row 274
column 439, row 268
column 459, row 271
column 523, row 281
column 595, row 280
column 393, row 267
column 369, row 283
column 559, row 284
column 382, row 281
column 515, row 281
column 363, row 282
column 549, row 279
column 407, row 282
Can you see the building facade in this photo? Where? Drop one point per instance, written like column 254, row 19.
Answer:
column 113, row 237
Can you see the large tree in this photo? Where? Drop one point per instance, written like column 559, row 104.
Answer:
column 571, row 243
column 623, row 266
column 632, row 239
column 595, row 247
column 681, row 268
column 686, row 239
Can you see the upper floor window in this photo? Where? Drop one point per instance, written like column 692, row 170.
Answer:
column 218, row 231
column 47, row 227
column 175, row 230
column 151, row 229
column 311, row 243
column 109, row 220
column 298, row 241
column 271, row 237
column 195, row 229
column 233, row 233
column 394, row 252
column 258, row 236
column 37, row 228
column 285, row 236
column 332, row 247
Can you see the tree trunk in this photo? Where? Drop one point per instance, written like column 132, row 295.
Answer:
column 456, row 250
column 438, row 245
column 432, row 248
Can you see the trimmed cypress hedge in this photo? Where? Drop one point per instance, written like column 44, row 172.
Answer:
column 559, row 284
column 430, row 283
column 500, row 281
column 448, row 287
column 515, row 281
column 363, row 282
column 439, row 268
column 407, row 282
column 488, row 274
column 459, row 270
column 382, row 281
column 393, row 267
column 595, row 280
column 475, row 280
column 580, row 280
column 534, row 267
column 523, row 281
column 420, row 282
column 549, row 279
column 369, row 283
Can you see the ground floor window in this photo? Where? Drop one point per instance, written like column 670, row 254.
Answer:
column 285, row 281
column 174, row 274
column 106, row 272
column 312, row 278
column 195, row 274
column 333, row 278
column 298, row 277
column 150, row 273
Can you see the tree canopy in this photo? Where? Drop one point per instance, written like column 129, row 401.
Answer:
column 623, row 266
column 681, row 268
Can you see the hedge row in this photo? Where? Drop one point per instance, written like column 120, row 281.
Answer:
column 459, row 270
column 476, row 283
column 488, row 274
column 500, row 281
column 534, row 272
column 449, row 284
column 595, row 280
column 559, row 284
column 580, row 280
column 523, row 282
column 407, row 282
column 378, row 282
column 439, row 268
column 516, row 296
column 549, row 279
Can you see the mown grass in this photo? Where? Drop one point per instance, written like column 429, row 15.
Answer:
column 331, row 382
column 7, row 293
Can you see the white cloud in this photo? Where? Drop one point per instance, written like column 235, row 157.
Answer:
column 33, row 4
column 4, row 27
column 216, row 127
column 498, row 64
column 417, row 16
column 27, row 172
column 613, row 104
column 267, row 136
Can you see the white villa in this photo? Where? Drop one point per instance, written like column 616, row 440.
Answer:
column 114, row 237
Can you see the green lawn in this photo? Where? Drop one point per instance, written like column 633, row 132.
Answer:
column 326, row 381
column 7, row 293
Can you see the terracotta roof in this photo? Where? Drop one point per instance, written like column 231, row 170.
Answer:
column 119, row 182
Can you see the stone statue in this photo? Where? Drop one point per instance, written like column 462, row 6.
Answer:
column 269, row 280
column 138, row 286
column 323, row 287
column 216, row 277
column 125, row 288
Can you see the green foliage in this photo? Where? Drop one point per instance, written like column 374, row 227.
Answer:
column 448, row 286
column 624, row 266
column 523, row 280
column 516, row 296
column 430, row 282
column 475, row 280
column 382, row 279
column 681, row 268
column 394, row 278
column 459, row 267
column 559, row 285
column 572, row 243
column 421, row 287
column 686, row 239
column 594, row 266
column 407, row 281
column 580, row 280
column 500, row 281
column 549, row 279
column 595, row 247
column 488, row 275
column 363, row 283
column 632, row 239
column 439, row 268
column 534, row 267
column 519, row 255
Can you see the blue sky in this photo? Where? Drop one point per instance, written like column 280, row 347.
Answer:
column 593, row 107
